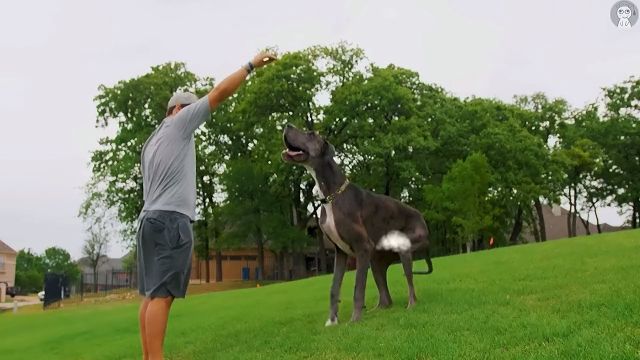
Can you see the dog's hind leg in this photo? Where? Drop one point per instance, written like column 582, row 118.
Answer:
column 420, row 243
column 380, row 262
column 407, row 265
column 340, row 266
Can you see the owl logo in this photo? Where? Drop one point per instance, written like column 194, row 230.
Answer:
column 624, row 14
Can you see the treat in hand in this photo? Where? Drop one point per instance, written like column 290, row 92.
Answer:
column 263, row 58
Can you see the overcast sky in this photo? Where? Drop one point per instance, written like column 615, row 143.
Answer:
column 54, row 54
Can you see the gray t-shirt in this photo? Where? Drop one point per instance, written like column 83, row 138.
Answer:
column 168, row 161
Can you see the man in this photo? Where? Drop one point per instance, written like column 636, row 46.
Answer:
column 165, row 238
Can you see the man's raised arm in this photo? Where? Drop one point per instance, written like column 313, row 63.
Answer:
column 231, row 83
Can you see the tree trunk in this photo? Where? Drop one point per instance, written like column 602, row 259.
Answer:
column 95, row 279
column 218, row 265
column 207, row 270
column 569, row 215
column 574, row 221
column 260, row 244
column 517, row 226
column 585, row 223
column 595, row 212
column 207, row 256
column 209, row 228
column 294, row 215
column 634, row 214
column 534, row 226
column 541, row 224
column 310, row 122
column 444, row 240
column 281, row 274
column 387, row 180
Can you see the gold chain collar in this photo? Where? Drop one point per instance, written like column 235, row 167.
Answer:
column 329, row 199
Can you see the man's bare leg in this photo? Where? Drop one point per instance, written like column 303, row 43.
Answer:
column 143, row 336
column 157, row 315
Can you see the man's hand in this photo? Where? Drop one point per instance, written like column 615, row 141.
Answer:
column 262, row 59
column 231, row 83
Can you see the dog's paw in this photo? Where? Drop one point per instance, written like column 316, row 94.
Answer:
column 383, row 305
column 412, row 303
column 331, row 322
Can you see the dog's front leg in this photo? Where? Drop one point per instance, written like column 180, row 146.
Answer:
column 362, row 268
column 339, row 268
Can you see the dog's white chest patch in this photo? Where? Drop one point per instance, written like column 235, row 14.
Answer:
column 329, row 228
column 316, row 188
column 395, row 241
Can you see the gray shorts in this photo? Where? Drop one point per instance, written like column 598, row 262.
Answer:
column 165, row 245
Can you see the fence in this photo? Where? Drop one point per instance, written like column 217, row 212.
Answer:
column 105, row 282
column 90, row 285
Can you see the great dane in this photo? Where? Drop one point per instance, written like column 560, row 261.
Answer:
column 375, row 229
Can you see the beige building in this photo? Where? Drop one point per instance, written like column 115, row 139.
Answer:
column 242, row 264
column 555, row 221
column 7, row 268
column 233, row 263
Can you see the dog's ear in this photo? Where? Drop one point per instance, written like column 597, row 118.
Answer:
column 328, row 151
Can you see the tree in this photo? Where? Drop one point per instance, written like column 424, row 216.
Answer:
column 101, row 221
column 384, row 138
column 129, row 261
column 463, row 198
column 95, row 249
column 207, row 232
column 30, row 271
column 209, row 168
column 620, row 138
column 516, row 157
column 581, row 159
column 254, row 213
column 546, row 115
column 58, row 260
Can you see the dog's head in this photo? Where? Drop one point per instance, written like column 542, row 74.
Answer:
column 305, row 148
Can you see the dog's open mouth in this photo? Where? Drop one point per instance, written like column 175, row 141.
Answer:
column 293, row 153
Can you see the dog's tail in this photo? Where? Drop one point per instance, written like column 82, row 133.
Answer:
column 429, row 265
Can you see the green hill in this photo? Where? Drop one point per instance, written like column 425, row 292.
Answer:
column 566, row 299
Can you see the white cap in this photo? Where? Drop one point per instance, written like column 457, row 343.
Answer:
column 183, row 98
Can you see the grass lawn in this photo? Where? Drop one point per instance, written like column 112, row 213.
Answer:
column 566, row 299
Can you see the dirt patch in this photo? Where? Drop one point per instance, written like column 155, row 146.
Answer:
column 200, row 288
column 22, row 299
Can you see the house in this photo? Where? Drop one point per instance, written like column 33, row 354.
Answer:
column 555, row 221
column 7, row 268
column 110, row 274
column 238, row 264
column 242, row 264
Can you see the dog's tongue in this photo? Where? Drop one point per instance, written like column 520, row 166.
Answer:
column 293, row 153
